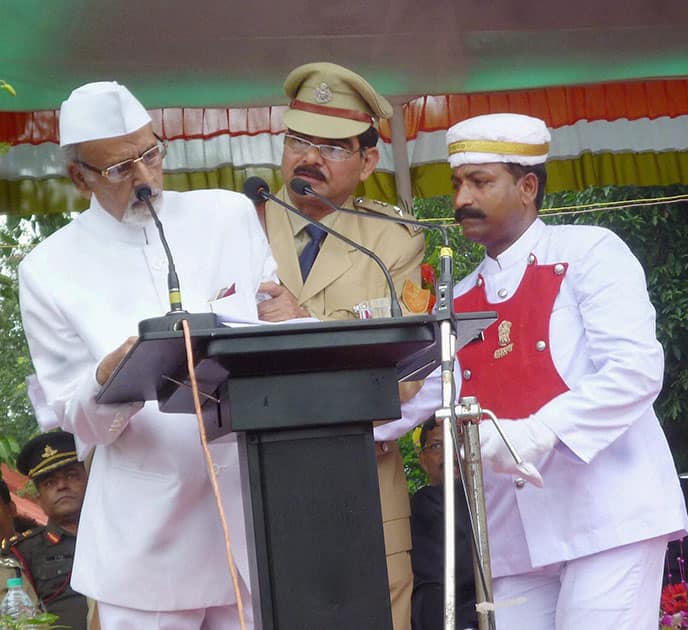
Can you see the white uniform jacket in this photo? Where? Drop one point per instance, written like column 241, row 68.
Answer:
column 611, row 479
column 150, row 536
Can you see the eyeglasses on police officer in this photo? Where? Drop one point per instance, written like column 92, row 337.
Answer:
column 334, row 153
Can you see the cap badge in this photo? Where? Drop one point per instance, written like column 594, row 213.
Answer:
column 48, row 451
column 323, row 93
column 505, row 343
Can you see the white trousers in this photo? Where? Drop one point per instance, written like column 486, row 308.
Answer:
column 618, row 589
column 215, row 618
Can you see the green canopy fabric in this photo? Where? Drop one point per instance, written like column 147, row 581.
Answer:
column 175, row 53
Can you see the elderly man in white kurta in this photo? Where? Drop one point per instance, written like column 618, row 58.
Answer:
column 573, row 366
column 150, row 545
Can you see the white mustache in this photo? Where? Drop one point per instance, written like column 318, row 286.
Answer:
column 137, row 212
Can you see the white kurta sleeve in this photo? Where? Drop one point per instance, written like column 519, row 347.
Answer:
column 65, row 368
column 263, row 265
column 415, row 411
column 625, row 360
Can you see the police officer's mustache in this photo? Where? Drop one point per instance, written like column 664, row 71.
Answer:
column 468, row 213
column 309, row 171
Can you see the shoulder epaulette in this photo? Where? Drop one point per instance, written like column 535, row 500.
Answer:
column 8, row 543
column 382, row 207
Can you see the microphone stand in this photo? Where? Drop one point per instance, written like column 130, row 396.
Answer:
column 172, row 320
column 471, row 472
column 302, row 187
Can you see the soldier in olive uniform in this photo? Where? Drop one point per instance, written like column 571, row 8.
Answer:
column 45, row 554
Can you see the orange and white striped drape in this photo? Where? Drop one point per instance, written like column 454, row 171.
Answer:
column 630, row 133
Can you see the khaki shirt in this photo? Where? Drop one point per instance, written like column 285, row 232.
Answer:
column 342, row 277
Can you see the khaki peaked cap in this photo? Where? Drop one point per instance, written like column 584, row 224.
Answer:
column 330, row 101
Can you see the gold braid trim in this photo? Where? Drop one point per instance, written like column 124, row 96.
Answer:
column 50, row 463
column 502, row 148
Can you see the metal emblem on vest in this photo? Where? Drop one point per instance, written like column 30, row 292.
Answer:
column 323, row 93
column 505, row 343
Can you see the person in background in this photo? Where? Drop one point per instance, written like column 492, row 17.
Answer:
column 427, row 532
column 10, row 524
column 10, row 521
column 331, row 143
column 46, row 553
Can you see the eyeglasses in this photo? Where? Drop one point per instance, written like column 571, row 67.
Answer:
column 124, row 170
column 301, row 146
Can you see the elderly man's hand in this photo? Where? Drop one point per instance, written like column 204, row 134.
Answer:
column 107, row 366
column 282, row 304
column 530, row 438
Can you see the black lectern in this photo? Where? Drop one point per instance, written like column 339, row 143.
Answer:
column 303, row 397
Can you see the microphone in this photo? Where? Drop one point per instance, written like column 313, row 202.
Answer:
column 258, row 191
column 170, row 321
column 445, row 280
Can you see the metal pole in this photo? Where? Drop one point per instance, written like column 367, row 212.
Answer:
column 469, row 413
column 447, row 345
column 402, row 171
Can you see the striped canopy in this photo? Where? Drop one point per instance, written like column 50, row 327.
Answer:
column 622, row 133
column 608, row 77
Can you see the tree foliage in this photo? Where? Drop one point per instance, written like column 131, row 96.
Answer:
column 657, row 235
column 17, row 423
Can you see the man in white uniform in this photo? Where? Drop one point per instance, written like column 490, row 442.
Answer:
column 150, row 544
column 574, row 366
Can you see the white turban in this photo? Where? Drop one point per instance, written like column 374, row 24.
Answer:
column 100, row 110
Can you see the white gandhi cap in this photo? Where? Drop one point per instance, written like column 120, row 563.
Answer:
column 491, row 138
column 104, row 109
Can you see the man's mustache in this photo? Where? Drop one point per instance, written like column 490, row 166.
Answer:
column 309, row 171
column 468, row 213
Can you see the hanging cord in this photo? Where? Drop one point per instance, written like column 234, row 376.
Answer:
column 628, row 204
column 585, row 208
column 211, row 469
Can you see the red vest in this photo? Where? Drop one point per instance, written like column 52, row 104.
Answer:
column 510, row 370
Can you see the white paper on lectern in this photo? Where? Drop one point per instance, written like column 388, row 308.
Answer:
column 236, row 322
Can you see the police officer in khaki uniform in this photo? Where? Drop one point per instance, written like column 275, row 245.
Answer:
column 331, row 143
column 45, row 554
